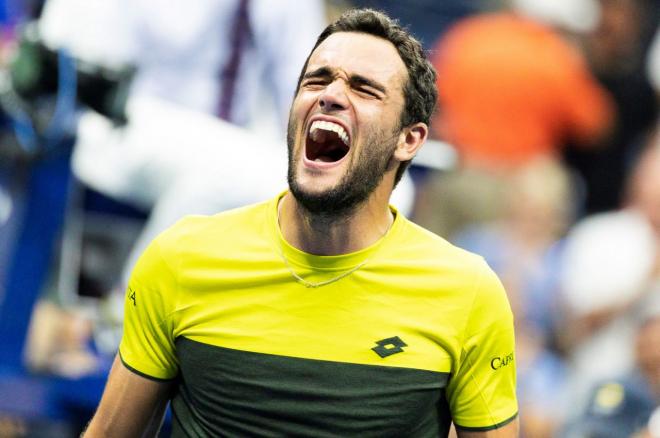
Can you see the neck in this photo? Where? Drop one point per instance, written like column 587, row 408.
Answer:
column 327, row 234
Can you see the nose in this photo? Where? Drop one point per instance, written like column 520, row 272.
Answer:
column 333, row 98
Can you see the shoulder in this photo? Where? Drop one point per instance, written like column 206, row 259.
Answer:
column 446, row 266
column 465, row 269
column 420, row 243
column 197, row 232
column 199, row 226
column 195, row 238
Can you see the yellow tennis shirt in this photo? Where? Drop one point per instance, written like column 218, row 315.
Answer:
column 418, row 336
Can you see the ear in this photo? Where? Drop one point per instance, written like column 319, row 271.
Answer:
column 411, row 139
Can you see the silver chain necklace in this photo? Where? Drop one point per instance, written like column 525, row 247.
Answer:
column 301, row 280
column 309, row 284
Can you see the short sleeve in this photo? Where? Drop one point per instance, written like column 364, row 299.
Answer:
column 147, row 345
column 482, row 391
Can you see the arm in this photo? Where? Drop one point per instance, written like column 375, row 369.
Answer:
column 131, row 405
column 510, row 430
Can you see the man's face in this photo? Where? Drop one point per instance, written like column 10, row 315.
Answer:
column 344, row 122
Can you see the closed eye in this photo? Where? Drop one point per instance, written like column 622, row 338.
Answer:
column 315, row 83
column 368, row 92
column 317, row 78
column 368, row 87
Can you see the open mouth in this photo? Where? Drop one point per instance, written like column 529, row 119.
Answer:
column 327, row 142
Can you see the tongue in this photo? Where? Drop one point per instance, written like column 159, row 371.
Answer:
column 319, row 135
column 325, row 146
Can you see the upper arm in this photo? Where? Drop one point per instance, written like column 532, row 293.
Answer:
column 141, row 378
column 148, row 342
column 131, row 405
column 510, row 430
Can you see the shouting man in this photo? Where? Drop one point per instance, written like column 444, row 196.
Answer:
column 323, row 312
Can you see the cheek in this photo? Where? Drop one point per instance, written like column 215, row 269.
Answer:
column 302, row 106
column 303, row 102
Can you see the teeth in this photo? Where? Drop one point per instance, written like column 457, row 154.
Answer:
column 328, row 126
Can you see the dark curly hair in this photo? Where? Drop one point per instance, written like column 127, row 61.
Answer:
column 420, row 92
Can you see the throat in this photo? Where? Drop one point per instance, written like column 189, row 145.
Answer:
column 322, row 235
column 326, row 234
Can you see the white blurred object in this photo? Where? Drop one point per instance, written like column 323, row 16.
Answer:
column 654, row 424
column 180, row 49
column 609, row 257
column 177, row 162
column 438, row 155
column 175, row 156
column 97, row 31
column 6, row 206
column 608, row 263
column 653, row 64
column 578, row 16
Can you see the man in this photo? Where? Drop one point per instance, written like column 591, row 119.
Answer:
column 323, row 312
column 504, row 107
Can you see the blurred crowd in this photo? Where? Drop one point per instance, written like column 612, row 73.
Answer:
column 161, row 109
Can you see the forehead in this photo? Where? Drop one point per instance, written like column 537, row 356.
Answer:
column 361, row 54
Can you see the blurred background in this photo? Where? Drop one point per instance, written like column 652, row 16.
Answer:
column 117, row 118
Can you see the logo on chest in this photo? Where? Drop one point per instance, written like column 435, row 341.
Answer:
column 389, row 346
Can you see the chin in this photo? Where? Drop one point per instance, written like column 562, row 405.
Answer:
column 309, row 190
column 314, row 199
column 335, row 201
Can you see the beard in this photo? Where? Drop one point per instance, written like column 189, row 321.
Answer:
column 365, row 172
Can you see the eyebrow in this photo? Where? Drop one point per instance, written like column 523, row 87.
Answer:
column 354, row 79
column 320, row 72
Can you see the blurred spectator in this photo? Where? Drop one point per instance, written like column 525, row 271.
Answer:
column 524, row 249
column 174, row 155
column 622, row 408
column 611, row 272
column 237, row 60
column 653, row 64
column 502, row 104
column 202, row 55
column 194, row 63
column 510, row 90
column 616, row 50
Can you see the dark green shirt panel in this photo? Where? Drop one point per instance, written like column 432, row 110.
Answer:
column 227, row 392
